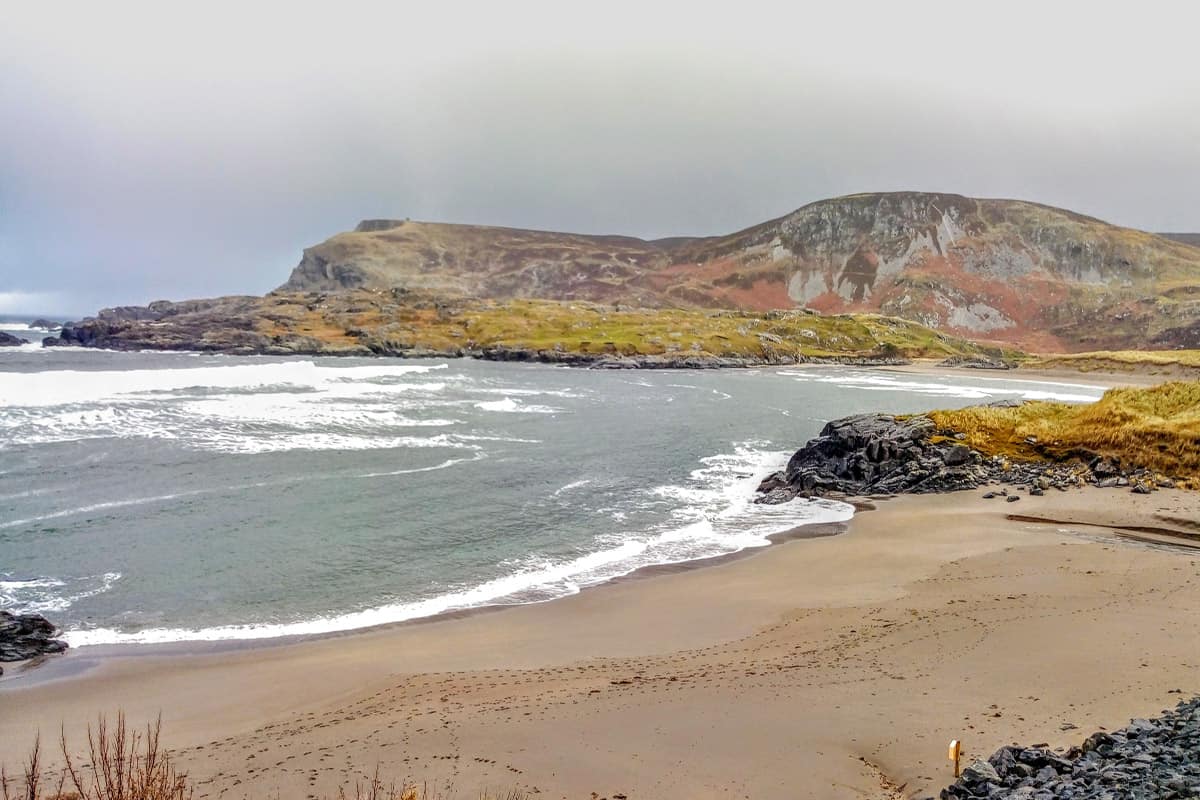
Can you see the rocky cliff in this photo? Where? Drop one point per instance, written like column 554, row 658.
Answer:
column 1039, row 277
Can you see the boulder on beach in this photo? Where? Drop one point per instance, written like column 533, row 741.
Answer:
column 26, row 636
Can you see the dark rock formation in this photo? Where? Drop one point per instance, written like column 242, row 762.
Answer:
column 884, row 454
column 1155, row 759
column 976, row 362
column 42, row 324
column 25, row 636
column 8, row 340
column 879, row 454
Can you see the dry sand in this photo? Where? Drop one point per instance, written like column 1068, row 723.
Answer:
column 824, row 668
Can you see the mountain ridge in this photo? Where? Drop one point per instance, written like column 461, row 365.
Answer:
column 1010, row 271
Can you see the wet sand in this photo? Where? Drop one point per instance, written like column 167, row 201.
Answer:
column 837, row 666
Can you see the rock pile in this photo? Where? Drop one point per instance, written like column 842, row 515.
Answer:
column 1158, row 758
column 884, row 454
column 24, row 636
column 976, row 362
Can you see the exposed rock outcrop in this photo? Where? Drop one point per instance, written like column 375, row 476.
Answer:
column 872, row 454
column 977, row 362
column 1044, row 278
column 8, row 340
column 878, row 454
column 1154, row 759
column 26, row 636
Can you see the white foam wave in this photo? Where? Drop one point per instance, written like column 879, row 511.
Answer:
column 719, row 517
column 479, row 437
column 59, row 387
column 71, row 512
column 515, row 392
column 238, row 442
column 883, row 382
column 41, row 595
column 572, row 485
column 511, row 406
column 24, row 347
column 450, row 462
column 245, row 408
column 24, row 326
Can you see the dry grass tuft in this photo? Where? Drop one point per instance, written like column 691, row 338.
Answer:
column 124, row 764
column 1156, row 428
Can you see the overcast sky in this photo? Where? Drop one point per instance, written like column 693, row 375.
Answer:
column 151, row 152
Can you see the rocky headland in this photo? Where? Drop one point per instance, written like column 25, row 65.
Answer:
column 882, row 454
column 1150, row 759
column 1140, row 440
column 26, row 636
column 420, row 325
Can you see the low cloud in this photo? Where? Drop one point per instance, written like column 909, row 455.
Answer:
column 170, row 151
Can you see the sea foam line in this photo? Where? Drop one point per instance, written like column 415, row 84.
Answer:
column 59, row 387
column 884, row 383
column 70, row 512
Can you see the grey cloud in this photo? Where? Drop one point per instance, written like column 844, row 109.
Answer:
column 207, row 170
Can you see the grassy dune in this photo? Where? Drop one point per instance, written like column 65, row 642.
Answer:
column 1178, row 363
column 1157, row 428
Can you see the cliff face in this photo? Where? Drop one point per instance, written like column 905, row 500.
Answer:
column 1006, row 270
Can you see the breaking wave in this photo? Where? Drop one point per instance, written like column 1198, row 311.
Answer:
column 713, row 514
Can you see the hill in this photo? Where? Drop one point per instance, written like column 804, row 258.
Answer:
column 1005, row 270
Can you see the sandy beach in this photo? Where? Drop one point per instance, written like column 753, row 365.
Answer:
column 818, row 668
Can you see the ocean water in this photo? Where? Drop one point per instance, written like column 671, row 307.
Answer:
column 150, row 497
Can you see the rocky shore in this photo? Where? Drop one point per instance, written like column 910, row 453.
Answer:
column 26, row 636
column 1154, row 759
column 871, row 454
column 8, row 340
column 335, row 325
column 415, row 323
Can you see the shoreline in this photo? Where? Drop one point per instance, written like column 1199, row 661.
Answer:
column 811, row 669
column 78, row 661
column 912, row 366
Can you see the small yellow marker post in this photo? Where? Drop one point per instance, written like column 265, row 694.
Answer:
column 955, row 754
